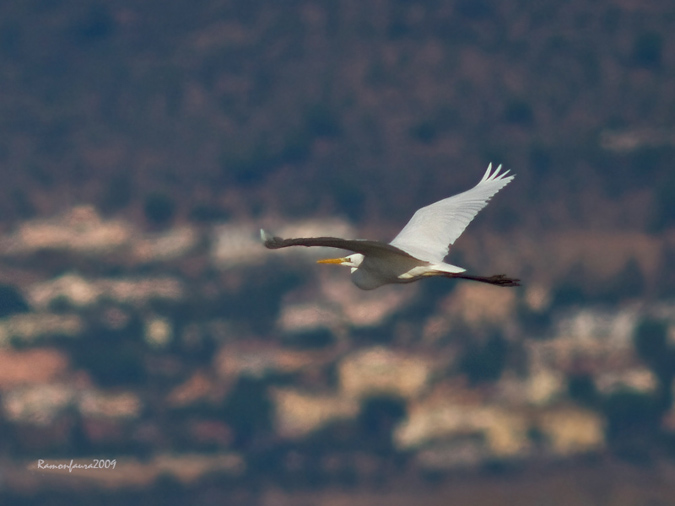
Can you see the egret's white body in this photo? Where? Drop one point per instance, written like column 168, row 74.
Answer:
column 419, row 249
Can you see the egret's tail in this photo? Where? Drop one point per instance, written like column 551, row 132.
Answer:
column 497, row 279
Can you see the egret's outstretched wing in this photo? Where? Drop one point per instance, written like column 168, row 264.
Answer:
column 372, row 248
column 432, row 229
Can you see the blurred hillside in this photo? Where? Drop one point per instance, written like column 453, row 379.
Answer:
column 141, row 321
column 369, row 110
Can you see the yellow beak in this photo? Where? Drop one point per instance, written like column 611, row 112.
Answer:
column 331, row 261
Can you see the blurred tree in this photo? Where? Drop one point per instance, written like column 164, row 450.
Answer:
column 633, row 420
column 248, row 411
column 581, row 388
column 428, row 130
column 256, row 303
column 535, row 323
column 118, row 193
column 296, row 148
column 628, row 284
column 11, row 301
column 651, row 341
column 665, row 284
column 519, row 112
column 113, row 356
column 110, row 363
column 321, row 121
column 159, row 208
column 203, row 212
column 425, row 132
column 350, row 197
column 648, row 50
column 663, row 214
column 485, row 362
column 540, row 160
column 22, row 203
column 249, row 165
column 651, row 344
column 570, row 291
column 95, row 25
column 311, row 339
column 476, row 9
column 378, row 417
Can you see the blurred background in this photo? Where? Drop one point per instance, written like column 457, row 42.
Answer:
column 143, row 145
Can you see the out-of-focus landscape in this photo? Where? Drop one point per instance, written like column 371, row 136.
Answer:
column 144, row 144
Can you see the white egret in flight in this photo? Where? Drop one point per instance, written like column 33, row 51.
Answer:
column 419, row 249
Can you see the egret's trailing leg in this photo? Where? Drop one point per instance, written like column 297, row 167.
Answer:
column 497, row 279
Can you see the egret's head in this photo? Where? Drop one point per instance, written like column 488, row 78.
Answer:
column 352, row 261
